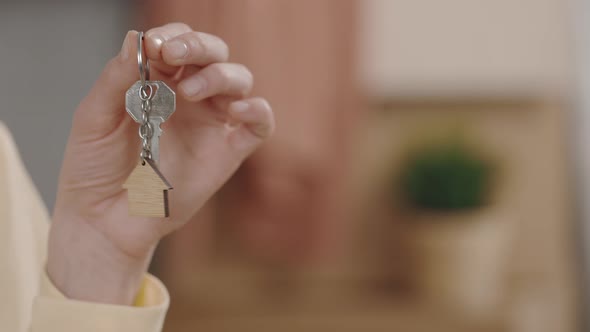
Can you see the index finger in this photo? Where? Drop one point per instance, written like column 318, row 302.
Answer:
column 156, row 37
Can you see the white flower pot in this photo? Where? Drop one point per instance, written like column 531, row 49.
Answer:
column 461, row 260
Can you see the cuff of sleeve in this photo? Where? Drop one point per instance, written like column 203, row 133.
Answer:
column 52, row 311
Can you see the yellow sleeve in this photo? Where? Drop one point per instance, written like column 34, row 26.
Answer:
column 54, row 312
column 29, row 299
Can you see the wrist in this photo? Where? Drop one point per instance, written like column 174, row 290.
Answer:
column 84, row 265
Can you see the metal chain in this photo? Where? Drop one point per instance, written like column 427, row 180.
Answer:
column 146, row 92
column 146, row 131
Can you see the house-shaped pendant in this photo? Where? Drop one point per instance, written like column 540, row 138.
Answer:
column 147, row 191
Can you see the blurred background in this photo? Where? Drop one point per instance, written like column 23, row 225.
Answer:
column 430, row 170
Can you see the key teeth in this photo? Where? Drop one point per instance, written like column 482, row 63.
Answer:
column 157, row 126
column 163, row 106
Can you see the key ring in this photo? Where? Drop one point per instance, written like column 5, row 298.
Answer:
column 144, row 68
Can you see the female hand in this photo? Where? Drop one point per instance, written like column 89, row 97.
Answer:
column 97, row 252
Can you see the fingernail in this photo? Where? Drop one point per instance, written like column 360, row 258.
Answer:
column 177, row 49
column 239, row 107
column 124, row 53
column 192, row 86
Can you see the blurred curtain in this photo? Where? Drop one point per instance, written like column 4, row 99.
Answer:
column 287, row 202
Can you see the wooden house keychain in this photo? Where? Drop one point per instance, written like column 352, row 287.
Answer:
column 149, row 103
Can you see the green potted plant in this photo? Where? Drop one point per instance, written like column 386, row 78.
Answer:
column 457, row 235
column 445, row 177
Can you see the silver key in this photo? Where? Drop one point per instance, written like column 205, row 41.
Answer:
column 163, row 104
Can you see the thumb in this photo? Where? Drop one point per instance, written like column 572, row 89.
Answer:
column 103, row 109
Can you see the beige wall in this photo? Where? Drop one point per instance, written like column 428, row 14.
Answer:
column 464, row 47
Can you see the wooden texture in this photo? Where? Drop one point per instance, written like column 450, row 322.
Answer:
column 147, row 191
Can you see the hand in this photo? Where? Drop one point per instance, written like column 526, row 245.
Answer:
column 97, row 252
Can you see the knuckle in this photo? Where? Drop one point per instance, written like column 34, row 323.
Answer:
column 168, row 30
column 234, row 79
column 246, row 77
column 221, row 72
column 225, row 76
column 173, row 29
column 265, row 105
column 197, row 45
column 246, row 72
column 153, row 31
column 210, row 47
column 223, row 48
column 179, row 26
